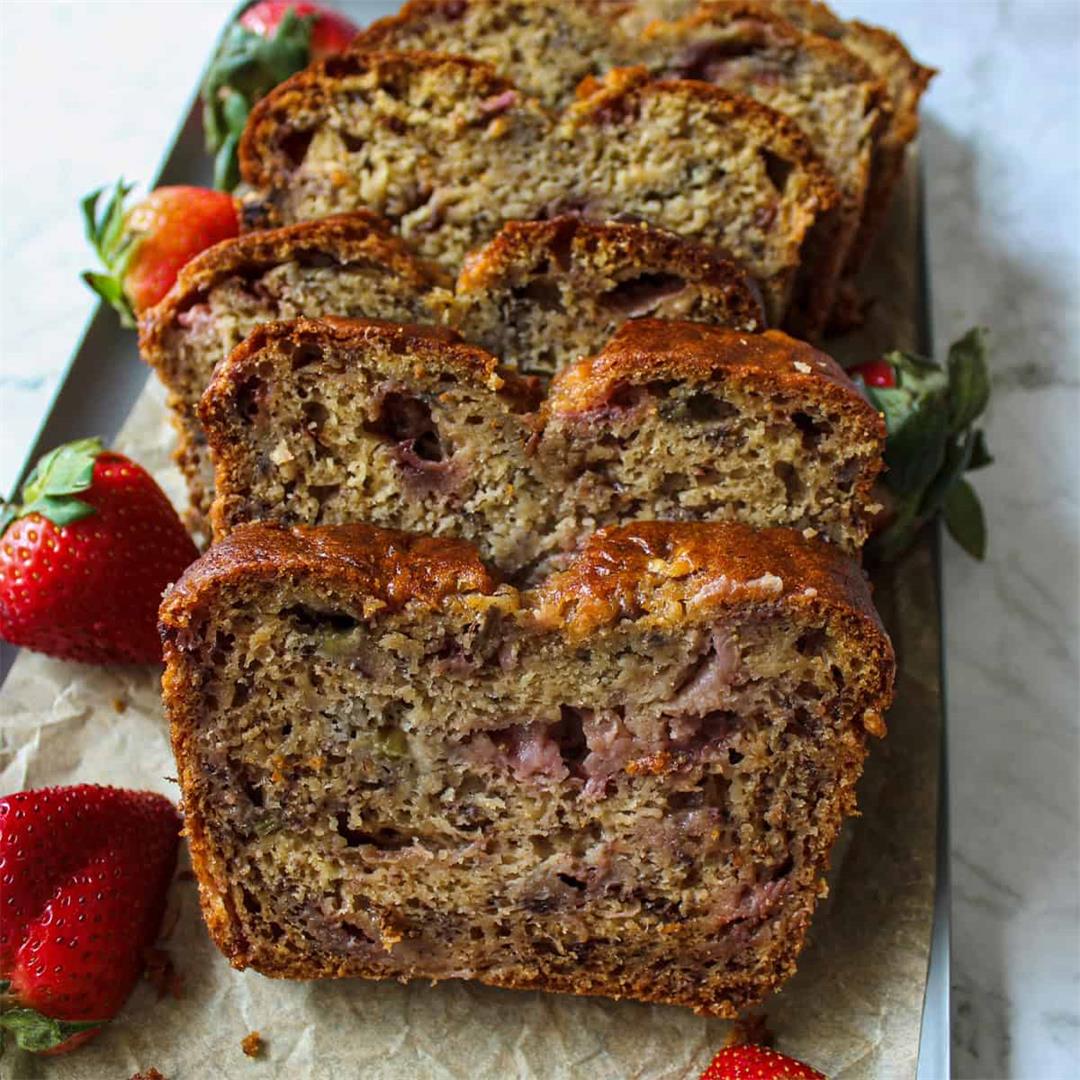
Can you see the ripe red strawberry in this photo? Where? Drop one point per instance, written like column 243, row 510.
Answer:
column 330, row 33
column 271, row 40
column 143, row 248
column 85, row 557
column 875, row 373
column 757, row 1063
column 83, row 875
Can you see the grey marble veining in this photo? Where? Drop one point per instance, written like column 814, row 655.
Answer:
column 1001, row 147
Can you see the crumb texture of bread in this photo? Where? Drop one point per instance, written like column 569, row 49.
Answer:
column 448, row 151
column 335, row 421
column 545, row 47
column 626, row 781
column 542, row 294
column 327, row 422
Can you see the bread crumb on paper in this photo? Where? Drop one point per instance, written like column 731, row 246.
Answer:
column 252, row 1044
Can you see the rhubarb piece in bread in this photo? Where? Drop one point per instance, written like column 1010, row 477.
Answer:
column 544, row 293
column 351, row 265
column 337, row 421
column 679, row 421
column 448, row 152
column 830, row 93
column 626, row 782
column 546, row 47
column 671, row 420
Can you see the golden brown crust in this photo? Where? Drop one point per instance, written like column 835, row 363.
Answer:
column 521, row 242
column 386, row 566
column 638, row 570
column 438, row 347
column 647, row 349
column 294, row 107
column 360, row 236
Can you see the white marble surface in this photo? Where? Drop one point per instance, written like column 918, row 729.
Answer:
column 93, row 89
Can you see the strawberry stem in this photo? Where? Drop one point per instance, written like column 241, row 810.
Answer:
column 105, row 231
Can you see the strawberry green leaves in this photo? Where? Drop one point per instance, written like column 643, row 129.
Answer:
column 52, row 486
column 930, row 413
column 247, row 67
column 113, row 244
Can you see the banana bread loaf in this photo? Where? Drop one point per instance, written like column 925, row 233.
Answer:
column 544, row 293
column 626, row 782
column 351, row 265
column 331, row 422
column 448, row 152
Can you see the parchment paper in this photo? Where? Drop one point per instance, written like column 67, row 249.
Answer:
column 853, row 1009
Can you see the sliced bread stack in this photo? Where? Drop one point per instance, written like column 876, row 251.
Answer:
column 533, row 646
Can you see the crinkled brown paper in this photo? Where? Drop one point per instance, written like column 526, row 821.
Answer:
column 853, row 1009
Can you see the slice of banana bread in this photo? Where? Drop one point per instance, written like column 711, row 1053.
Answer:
column 401, row 428
column 719, row 168
column 544, row 293
column 684, row 422
column 351, row 265
column 830, row 93
column 546, row 47
column 338, row 421
column 626, row 782
column 449, row 152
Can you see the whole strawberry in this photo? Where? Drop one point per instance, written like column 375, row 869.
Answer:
column 143, row 248
column 83, row 875
column 270, row 41
column 85, row 556
column 757, row 1063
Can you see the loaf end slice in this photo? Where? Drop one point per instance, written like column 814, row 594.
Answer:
column 625, row 783
column 349, row 265
column 542, row 294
